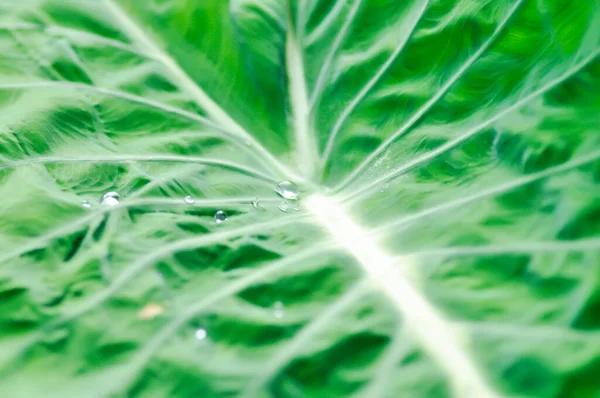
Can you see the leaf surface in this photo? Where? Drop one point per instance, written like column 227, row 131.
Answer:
column 446, row 239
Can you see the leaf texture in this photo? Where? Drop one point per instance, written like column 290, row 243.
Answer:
column 445, row 242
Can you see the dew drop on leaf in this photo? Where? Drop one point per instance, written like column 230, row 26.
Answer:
column 110, row 198
column 86, row 205
column 288, row 190
column 283, row 206
column 200, row 334
column 220, row 216
column 189, row 200
column 296, row 208
column 278, row 310
column 254, row 202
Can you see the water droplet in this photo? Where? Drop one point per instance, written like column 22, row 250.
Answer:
column 220, row 216
column 278, row 310
column 288, row 190
column 200, row 334
column 283, row 206
column 296, row 208
column 85, row 204
column 254, row 202
column 189, row 200
column 110, row 199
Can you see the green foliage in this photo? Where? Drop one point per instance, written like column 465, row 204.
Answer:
column 446, row 241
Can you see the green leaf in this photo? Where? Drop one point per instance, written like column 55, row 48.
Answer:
column 446, row 238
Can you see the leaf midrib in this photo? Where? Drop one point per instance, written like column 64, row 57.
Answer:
column 367, row 242
column 363, row 249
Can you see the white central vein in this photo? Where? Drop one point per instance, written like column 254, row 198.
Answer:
column 439, row 336
column 180, row 77
column 305, row 142
column 425, row 321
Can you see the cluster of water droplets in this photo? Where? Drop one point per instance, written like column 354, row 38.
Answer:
column 286, row 189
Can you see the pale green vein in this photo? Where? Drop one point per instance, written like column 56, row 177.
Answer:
column 37, row 242
column 584, row 295
column 226, row 203
column 138, row 35
column 380, row 383
column 19, row 26
column 247, row 145
column 243, row 6
column 326, row 22
column 171, row 174
column 75, row 35
column 487, row 193
column 511, row 248
column 93, row 250
column 99, row 124
column 414, row 16
column 143, row 356
column 151, row 258
column 141, row 158
column 116, row 94
column 305, row 141
column 530, row 331
column 337, row 42
column 473, row 131
column 42, row 240
column 433, row 100
column 309, row 332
